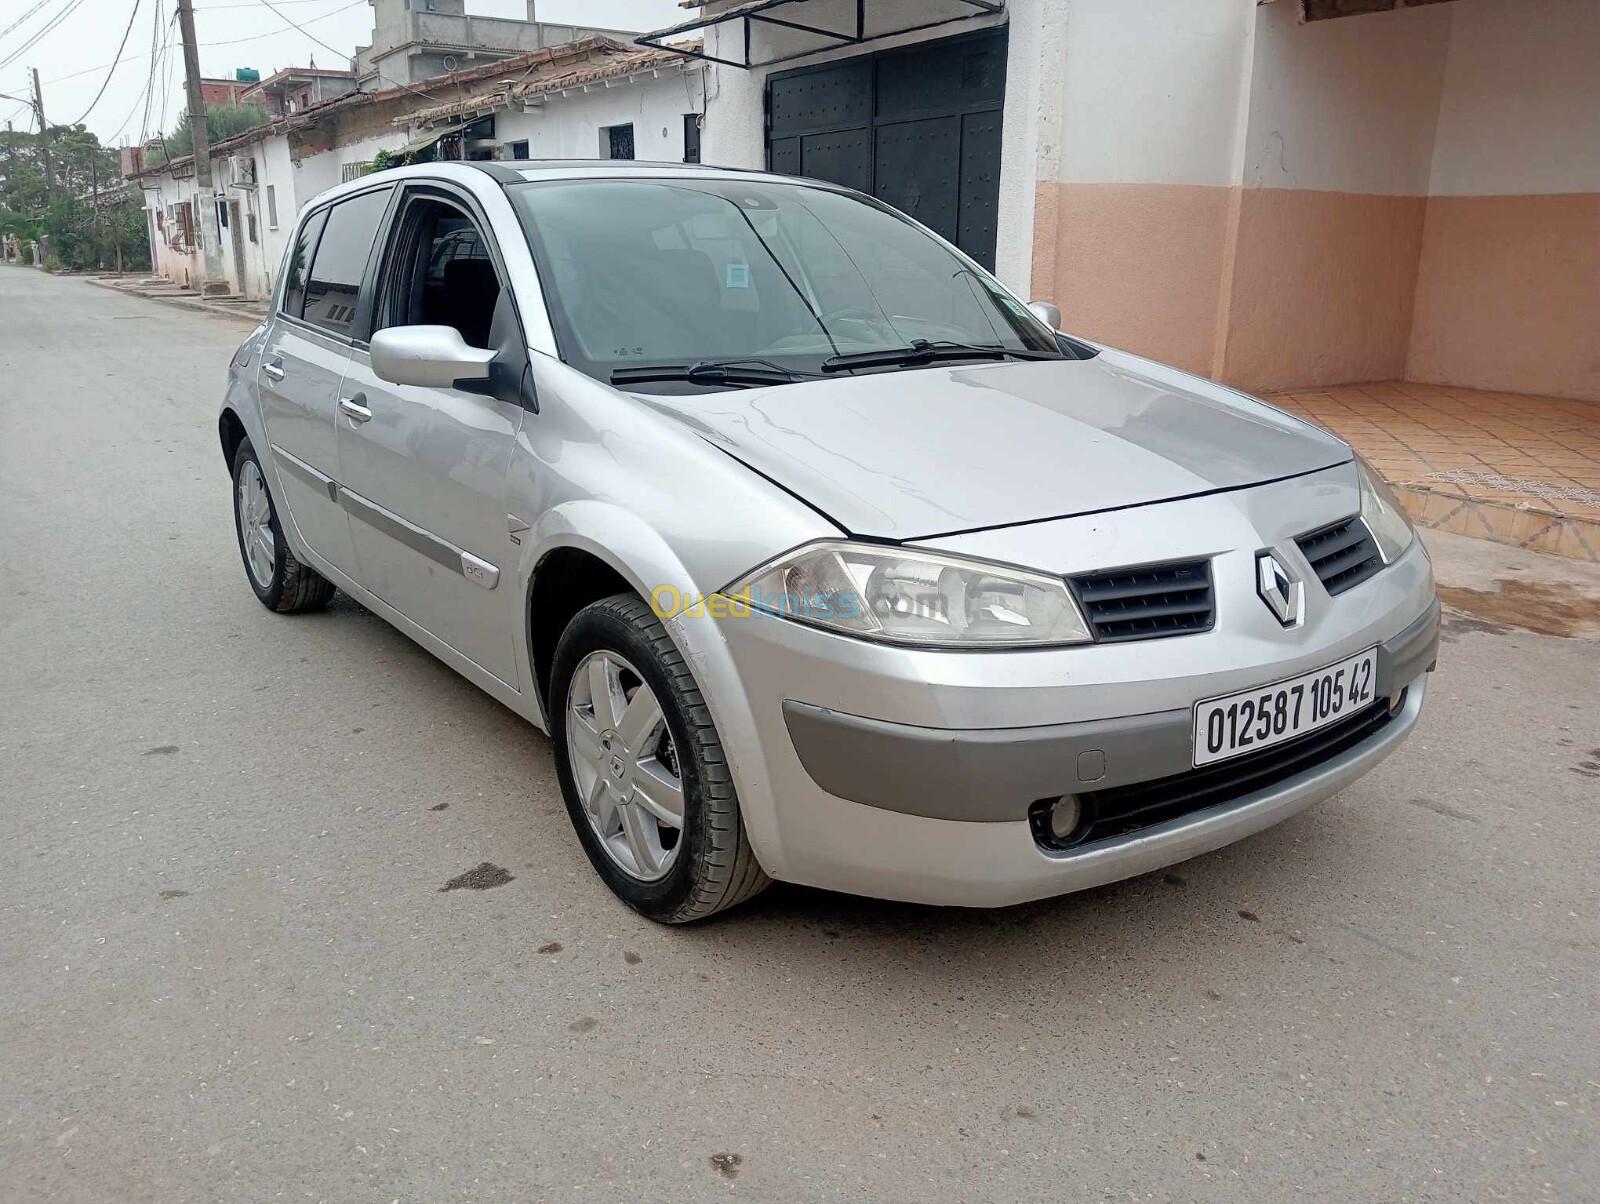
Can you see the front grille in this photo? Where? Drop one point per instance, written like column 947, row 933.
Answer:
column 1148, row 602
column 1343, row 555
column 1125, row 809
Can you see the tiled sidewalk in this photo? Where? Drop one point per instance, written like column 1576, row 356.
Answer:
column 1504, row 466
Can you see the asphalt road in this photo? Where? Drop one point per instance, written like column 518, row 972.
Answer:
column 228, row 971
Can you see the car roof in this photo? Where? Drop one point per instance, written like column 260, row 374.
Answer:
column 520, row 171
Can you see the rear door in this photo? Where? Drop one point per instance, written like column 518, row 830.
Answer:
column 424, row 470
column 303, row 363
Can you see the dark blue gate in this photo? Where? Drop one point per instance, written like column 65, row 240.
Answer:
column 917, row 127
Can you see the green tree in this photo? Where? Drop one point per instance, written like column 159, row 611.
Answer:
column 84, row 208
column 222, row 121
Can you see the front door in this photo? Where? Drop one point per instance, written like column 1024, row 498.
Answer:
column 301, row 367
column 918, row 127
column 424, row 470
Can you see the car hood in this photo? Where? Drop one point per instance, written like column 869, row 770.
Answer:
column 914, row 454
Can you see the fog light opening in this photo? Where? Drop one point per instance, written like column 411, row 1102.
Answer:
column 1064, row 817
column 1059, row 823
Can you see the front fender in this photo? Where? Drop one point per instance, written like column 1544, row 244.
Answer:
column 639, row 554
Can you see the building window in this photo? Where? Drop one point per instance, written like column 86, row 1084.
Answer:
column 272, row 207
column 519, row 150
column 691, row 137
column 616, row 141
column 183, row 226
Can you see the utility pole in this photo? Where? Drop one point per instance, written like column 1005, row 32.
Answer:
column 44, row 136
column 210, row 232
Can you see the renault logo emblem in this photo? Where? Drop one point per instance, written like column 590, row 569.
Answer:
column 1280, row 589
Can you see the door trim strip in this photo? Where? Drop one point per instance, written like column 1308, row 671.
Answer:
column 441, row 551
column 307, row 474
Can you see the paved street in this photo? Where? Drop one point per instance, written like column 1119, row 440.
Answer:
column 229, row 971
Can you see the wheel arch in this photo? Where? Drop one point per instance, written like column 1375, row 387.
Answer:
column 230, row 429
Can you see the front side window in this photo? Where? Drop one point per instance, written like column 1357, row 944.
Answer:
column 439, row 273
column 646, row 272
column 334, row 282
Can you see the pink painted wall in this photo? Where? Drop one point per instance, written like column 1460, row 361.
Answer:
column 1405, row 194
column 1322, row 288
column 1135, row 265
column 1508, row 295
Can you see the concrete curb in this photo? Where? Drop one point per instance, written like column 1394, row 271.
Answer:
column 195, row 304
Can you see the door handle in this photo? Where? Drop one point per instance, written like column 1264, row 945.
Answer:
column 353, row 408
column 274, row 369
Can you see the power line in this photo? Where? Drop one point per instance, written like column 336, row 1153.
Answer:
column 207, row 8
column 208, row 45
column 23, row 17
column 302, row 29
column 105, row 83
column 39, row 34
column 141, row 103
column 397, row 83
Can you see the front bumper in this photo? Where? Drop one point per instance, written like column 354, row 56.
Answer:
column 993, row 775
column 907, row 774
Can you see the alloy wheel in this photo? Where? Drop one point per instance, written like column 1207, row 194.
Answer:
column 625, row 765
column 255, row 525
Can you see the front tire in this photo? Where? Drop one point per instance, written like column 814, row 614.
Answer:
column 642, row 770
column 279, row 580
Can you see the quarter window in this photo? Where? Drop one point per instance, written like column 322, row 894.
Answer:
column 341, row 260
column 294, row 272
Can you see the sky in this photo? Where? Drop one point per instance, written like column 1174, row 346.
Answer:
column 74, row 58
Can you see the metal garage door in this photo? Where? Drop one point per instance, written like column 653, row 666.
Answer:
column 918, row 128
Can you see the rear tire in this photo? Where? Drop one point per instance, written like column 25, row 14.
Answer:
column 279, row 580
column 679, row 874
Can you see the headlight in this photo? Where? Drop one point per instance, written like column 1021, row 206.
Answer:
column 1380, row 510
column 898, row 596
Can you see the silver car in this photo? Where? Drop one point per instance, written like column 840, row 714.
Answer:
column 819, row 555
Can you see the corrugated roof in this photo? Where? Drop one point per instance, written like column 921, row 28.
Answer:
column 540, row 71
column 609, row 61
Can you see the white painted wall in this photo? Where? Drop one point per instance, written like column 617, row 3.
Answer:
column 1521, row 107
column 1346, row 105
column 568, row 127
column 274, row 167
column 177, row 266
column 1154, row 90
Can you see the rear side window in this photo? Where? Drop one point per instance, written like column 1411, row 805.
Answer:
column 341, row 260
column 294, row 272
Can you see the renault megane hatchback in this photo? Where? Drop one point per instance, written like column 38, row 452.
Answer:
column 819, row 555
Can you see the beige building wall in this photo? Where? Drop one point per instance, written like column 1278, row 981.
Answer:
column 1135, row 204
column 1508, row 291
column 1338, row 142
column 1277, row 203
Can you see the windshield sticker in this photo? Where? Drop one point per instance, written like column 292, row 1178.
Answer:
column 738, row 275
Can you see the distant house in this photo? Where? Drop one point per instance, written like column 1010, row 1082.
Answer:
column 295, row 89
column 587, row 98
column 222, row 91
column 413, row 40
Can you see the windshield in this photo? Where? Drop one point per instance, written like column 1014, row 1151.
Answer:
column 679, row 272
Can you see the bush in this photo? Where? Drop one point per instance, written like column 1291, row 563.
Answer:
column 52, row 262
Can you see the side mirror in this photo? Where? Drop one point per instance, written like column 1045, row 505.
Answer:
column 1047, row 313
column 432, row 357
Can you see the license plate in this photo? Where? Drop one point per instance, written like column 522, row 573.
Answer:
column 1252, row 719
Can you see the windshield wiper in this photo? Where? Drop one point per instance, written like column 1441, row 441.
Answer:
column 746, row 373
column 921, row 351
